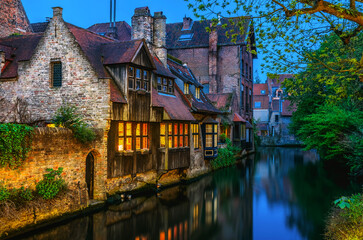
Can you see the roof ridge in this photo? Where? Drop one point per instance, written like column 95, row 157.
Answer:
column 98, row 35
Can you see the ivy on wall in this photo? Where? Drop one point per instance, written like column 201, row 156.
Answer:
column 15, row 144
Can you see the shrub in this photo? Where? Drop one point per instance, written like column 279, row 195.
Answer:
column 223, row 138
column 15, row 144
column 51, row 184
column 4, row 193
column 226, row 156
column 21, row 195
column 67, row 116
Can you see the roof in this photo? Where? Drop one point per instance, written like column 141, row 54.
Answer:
column 238, row 118
column 119, row 52
column 183, row 72
column 276, row 82
column 161, row 70
column 276, row 105
column 204, row 104
column 17, row 48
column 257, row 88
column 39, row 27
column 200, row 37
column 173, row 105
column 115, row 94
column 123, row 30
column 221, row 100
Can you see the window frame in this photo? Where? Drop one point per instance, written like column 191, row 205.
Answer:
column 138, row 135
column 197, row 93
column 177, row 134
column 165, row 83
column 195, row 135
column 52, row 66
column 138, row 79
column 213, row 133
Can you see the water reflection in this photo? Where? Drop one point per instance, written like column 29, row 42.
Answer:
column 279, row 194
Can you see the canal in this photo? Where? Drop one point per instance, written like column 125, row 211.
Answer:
column 279, row 193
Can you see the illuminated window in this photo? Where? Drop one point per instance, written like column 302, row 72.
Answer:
column 211, row 135
column 195, row 132
column 129, row 132
column 178, row 134
column 197, row 93
column 162, row 134
column 139, row 79
column 186, row 88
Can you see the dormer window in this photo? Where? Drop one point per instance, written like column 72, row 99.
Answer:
column 186, row 37
column 165, row 85
column 197, row 93
column 139, row 79
column 186, row 88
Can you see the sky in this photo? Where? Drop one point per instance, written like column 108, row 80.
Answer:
column 85, row 13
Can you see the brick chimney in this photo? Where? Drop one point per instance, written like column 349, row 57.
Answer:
column 159, row 37
column 212, row 60
column 143, row 25
column 57, row 12
column 2, row 60
column 187, row 23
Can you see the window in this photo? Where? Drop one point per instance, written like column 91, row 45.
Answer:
column 56, row 68
column 276, row 118
column 242, row 68
column 195, row 133
column 178, row 134
column 263, row 92
column 165, row 85
column 257, row 104
column 251, row 73
column 186, row 88
column 133, row 136
column 211, row 135
column 250, row 99
column 186, row 37
column 242, row 97
column 247, row 103
column 197, row 93
column 139, row 79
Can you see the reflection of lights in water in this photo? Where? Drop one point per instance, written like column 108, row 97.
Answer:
column 185, row 229
column 143, row 238
column 175, row 231
column 195, row 217
column 169, row 234
column 180, row 230
column 215, row 209
column 162, row 235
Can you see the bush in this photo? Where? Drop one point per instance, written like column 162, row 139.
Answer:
column 51, row 184
column 21, row 195
column 67, row 116
column 15, row 144
column 226, row 156
column 346, row 220
column 4, row 193
column 222, row 138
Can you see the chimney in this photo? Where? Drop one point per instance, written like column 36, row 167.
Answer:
column 187, row 23
column 58, row 12
column 212, row 60
column 159, row 37
column 2, row 60
column 142, row 25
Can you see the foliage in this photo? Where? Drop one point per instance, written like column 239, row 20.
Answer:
column 4, row 193
column 15, row 144
column 226, row 156
column 256, row 138
column 51, row 184
column 67, row 116
column 285, row 29
column 21, row 195
column 223, row 138
column 346, row 221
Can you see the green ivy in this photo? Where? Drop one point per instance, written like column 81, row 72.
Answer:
column 226, row 156
column 51, row 184
column 15, row 144
column 4, row 193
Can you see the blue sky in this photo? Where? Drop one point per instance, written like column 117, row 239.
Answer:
column 84, row 13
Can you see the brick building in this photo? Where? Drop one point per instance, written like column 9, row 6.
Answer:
column 261, row 108
column 13, row 18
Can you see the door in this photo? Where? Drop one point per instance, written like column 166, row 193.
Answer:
column 90, row 174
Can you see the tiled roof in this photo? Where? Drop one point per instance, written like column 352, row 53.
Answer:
column 123, row 30
column 221, row 100
column 277, row 82
column 115, row 94
column 183, row 73
column 200, row 37
column 238, row 118
column 39, row 27
column 174, row 105
column 119, row 52
column 161, row 70
column 17, row 48
column 204, row 104
column 258, row 87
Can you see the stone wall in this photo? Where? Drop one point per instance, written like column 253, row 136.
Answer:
column 13, row 18
column 54, row 148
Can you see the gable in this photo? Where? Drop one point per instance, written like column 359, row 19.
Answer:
column 142, row 58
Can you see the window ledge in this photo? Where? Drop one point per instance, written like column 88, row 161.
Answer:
column 143, row 151
column 125, row 153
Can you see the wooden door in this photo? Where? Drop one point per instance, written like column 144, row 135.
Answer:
column 90, row 174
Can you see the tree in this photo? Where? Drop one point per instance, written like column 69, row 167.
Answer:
column 286, row 29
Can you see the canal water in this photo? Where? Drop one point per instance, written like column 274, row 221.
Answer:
column 279, row 193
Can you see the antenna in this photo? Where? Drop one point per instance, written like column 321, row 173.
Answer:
column 114, row 13
column 110, row 13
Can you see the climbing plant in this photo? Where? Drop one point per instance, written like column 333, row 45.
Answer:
column 15, row 144
column 51, row 184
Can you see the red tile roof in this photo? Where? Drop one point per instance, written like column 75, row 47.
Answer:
column 221, row 100
column 116, row 95
column 17, row 48
column 238, row 118
column 119, row 52
column 123, row 30
column 173, row 105
column 200, row 35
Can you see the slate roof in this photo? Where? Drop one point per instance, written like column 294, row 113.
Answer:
column 161, row 70
column 39, row 27
column 17, row 49
column 184, row 73
column 200, row 35
column 123, row 30
column 174, row 105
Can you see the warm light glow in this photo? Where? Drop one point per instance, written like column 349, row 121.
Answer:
column 209, row 128
column 170, row 129
column 186, row 141
column 175, row 141
column 175, row 129
column 121, row 144
column 121, row 129
column 215, row 140
column 208, row 141
column 145, row 143
column 128, row 143
column 144, row 129
column 170, row 142
column 162, row 141
column 169, row 234
column 162, row 235
column 138, row 143
column 186, row 129
column 138, row 129
column 128, row 129
column 162, row 128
